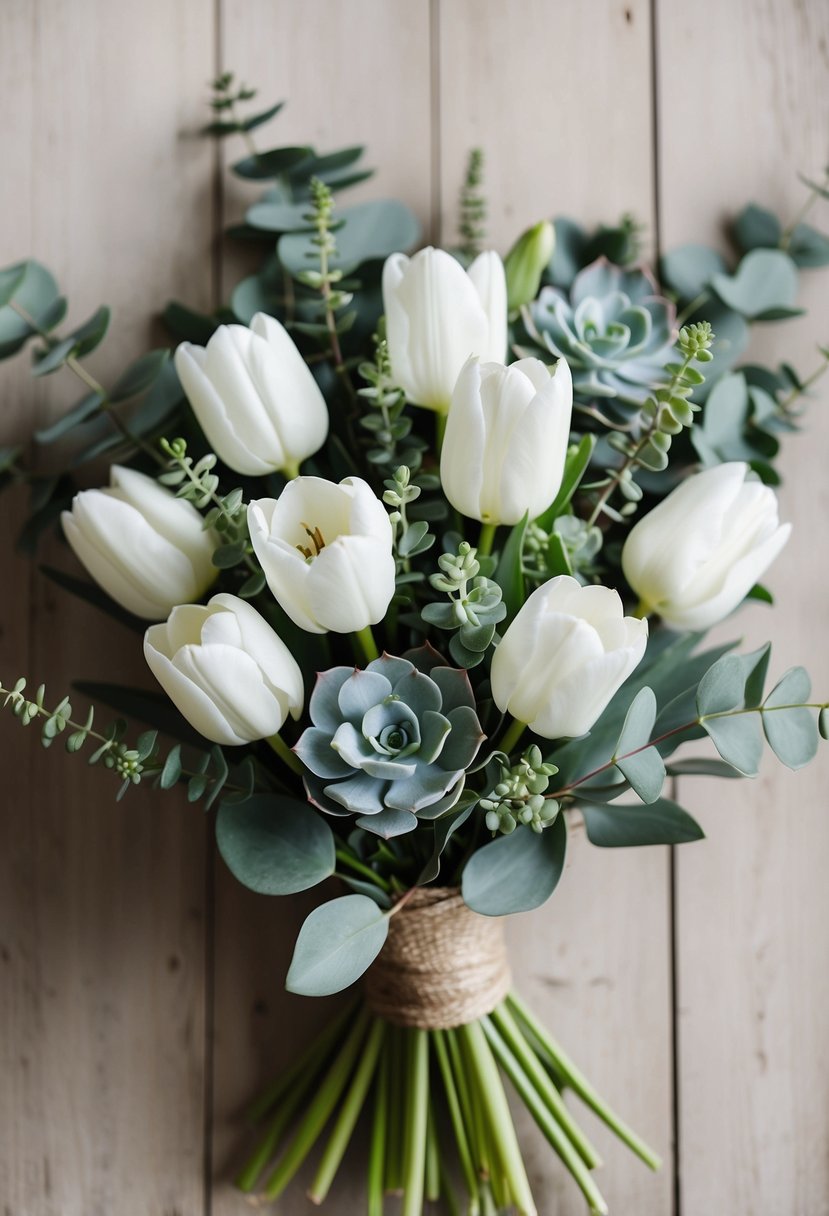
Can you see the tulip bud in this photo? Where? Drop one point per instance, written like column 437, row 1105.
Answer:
column 526, row 262
column 437, row 315
column 254, row 397
column 225, row 669
column 698, row 553
column 145, row 547
column 326, row 551
column 506, row 439
column 568, row 651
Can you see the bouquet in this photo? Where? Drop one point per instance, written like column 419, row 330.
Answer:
column 424, row 547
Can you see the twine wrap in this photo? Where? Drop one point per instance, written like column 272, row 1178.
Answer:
column 442, row 965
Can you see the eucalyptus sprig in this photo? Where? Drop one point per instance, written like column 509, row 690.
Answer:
column 390, row 428
column 474, row 609
column 227, row 517
column 518, row 796
column 326, row 279
column 409, row 539
column 663, row 415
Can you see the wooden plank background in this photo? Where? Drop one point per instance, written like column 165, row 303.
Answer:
column 140, row 988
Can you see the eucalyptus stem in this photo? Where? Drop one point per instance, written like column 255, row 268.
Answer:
column 349, row 1113
column 285, row 754
column 801, row 214
column 440, row 429
column 417, row 1094
column 92, row 384
column 360, row 867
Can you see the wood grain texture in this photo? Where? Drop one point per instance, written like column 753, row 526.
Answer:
column 101, row 906
column 355, row 73
column 559, row 98
column 753, row 932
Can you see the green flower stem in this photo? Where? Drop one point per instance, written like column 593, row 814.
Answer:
column 440, row 429
column 414, row 1164
column 549, row 1095
column 360, row 867
column 642, row 611
column 469, row 1106
column 432, row 1161
column 397, row 1081
column 486, row 539
column 579, row 1083
column 284, row 752
column 319, row 1112
column 511, row 735
column 377, row 1149
column 312, row 1057
column 290, row 471
column 265, row 1151
column 367, row 644
column 545, row 1120
column 490, row 1092
column 448, row 1192
column 456, row 1119
column 349, row 1113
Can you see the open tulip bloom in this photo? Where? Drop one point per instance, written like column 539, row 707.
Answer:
column 452, row 635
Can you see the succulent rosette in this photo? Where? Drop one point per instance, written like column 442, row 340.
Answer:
column 615, row 331
column 390, row 743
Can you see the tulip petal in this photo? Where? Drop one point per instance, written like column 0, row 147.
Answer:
column 490, row 282
column 351, row 584
column 214, row 416
column 192, row 702
column 279, row 668
column 235, row 685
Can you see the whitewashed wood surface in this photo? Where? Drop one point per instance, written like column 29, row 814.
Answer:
column 140, row 988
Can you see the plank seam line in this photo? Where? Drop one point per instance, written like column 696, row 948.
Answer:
column 435, row 116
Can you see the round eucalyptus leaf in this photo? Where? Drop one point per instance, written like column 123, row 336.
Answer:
column 515, row 873
column 763, row 288
column 689, row 269
column 790, row 728
column 756, row 228
column 663, row 822
column 275, row 845
column 337, row 944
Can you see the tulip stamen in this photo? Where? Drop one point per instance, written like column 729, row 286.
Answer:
column 317, row 540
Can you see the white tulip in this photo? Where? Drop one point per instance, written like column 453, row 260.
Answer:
column 145, row 547
column 569, row 649
column 225, row 669
column 254, row 397
column 698, row 553
column 437, row 315
column 506, row 439
column 326, row 551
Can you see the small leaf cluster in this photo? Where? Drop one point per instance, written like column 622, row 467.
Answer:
column 475, row 605
column 571, row 547
column 210, row 777
column 473, row 208
column 327, row 279
column 389, row 427
column 226, row 96
column 518, row 797
column 409, row 539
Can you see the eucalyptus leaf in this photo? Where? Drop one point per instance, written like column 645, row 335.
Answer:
column 36, row 292
column 139, row 375
column 808, row 248
column 445, row 827
column 575, row 466
column 10, row 279
column 663, row 822
column 515, row 873
column 738, row 739
column 279, row 217
column 644, row 769
column 569, row 252
column 790, row 728
column 275, row 845
column 509, row 573
column 702, row 766
column 337, row 943
column 763, row 288
column 88, row 407
column 271, row 164
column 53, row 358
column 757, row 228
column 689, row 269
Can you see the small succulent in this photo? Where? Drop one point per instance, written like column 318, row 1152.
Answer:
column 392, row 743
column 615, row 332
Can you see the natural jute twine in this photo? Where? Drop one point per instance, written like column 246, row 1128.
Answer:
column 442, row 965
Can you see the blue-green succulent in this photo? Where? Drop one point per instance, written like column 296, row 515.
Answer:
column 390, row 744
column 613, row 329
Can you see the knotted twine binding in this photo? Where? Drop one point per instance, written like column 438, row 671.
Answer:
column 442, row 965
